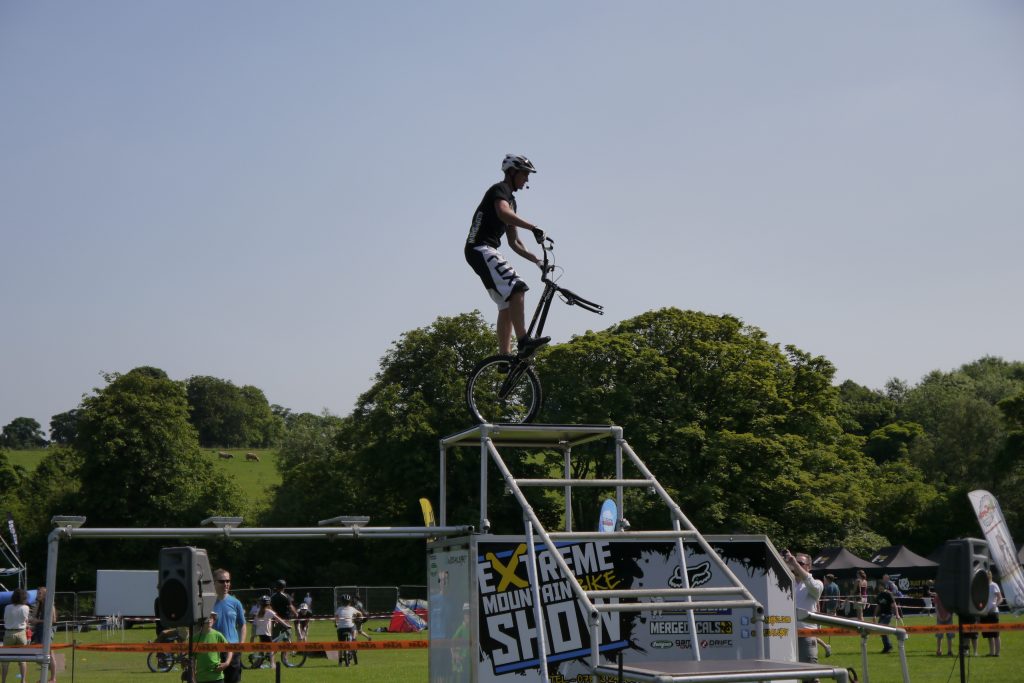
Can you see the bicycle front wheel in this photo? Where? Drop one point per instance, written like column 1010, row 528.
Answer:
column 502, row 391
column 160, row 662
column 293, row 658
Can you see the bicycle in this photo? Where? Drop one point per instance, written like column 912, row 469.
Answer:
column 290, row 658
column 348, row 657
column 505, row 389
column 161, row 663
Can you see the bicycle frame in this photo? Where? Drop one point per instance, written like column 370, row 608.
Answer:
column 540, row 315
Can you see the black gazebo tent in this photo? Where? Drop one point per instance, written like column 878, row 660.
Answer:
column 902, row 561
column 842, row 564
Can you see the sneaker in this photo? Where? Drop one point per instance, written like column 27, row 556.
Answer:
column 528, row 345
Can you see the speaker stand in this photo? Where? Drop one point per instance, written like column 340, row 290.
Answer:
column 963, row 647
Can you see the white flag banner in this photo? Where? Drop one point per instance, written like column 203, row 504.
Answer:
column 1000, row 544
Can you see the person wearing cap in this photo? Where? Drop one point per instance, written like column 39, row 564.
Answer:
column 302, row 621
column 209, row 666
column 282, row 604
column 230, row 621
column 494, row 217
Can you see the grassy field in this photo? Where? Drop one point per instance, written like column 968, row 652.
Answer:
column 255, row 479
column 410, row 666
column 106, row 667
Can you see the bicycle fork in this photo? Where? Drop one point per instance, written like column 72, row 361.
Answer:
column 516, row 369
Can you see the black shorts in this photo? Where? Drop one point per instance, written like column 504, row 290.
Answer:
column 989, row 619
column 498, row 276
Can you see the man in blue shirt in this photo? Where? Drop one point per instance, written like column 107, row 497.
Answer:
column 230, row 621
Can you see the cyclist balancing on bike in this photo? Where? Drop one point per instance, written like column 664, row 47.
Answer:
column 495, row 216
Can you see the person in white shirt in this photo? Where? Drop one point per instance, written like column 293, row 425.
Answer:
column 15, row 625
column 346, row 618
column 262, row 622
column 807, row 590
column 991, row 616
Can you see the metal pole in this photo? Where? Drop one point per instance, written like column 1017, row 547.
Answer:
column 567, row 473
column 442, row 493
column 53, row 545
column 485, row 440
column 685, row 573
column 538, row 612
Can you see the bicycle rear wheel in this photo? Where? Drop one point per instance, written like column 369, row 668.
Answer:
column 160, row 662
column 520, row 404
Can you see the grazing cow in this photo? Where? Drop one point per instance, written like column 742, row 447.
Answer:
column 252, row 457
column 225, row 456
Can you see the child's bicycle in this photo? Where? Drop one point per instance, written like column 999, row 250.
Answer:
column 162, row 662
column 506, row 389
column 290, row 658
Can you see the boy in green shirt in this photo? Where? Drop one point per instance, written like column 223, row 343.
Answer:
column 209, row 666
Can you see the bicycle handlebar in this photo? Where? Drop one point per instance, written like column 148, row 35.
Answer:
column 571, row 298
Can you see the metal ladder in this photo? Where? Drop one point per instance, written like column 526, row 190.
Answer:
column 565, row 438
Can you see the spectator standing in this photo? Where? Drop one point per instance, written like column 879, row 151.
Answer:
column 884, row 603
column 861, row 589
column 282, row 604
column 991, row 616
column 38, row 621
column 230, row 621
column 891, row 586
column 807, row 592
column 831, row 595
column 210, row 666
column 943, row 617
column 15, row 628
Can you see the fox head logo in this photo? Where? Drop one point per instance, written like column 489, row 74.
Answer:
column 699, row 575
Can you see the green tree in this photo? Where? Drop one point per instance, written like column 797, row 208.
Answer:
column 893, row 441
column 744, row 436
column 227, row 415
column 140, row 462
column 21, row 433
column 864, row 410
column 64, row 427
column 318, row 482
column 11, row 484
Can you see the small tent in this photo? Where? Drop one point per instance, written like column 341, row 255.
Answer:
column 408, row 617
column 907, row 569
column 899, row 559
column 841, row 563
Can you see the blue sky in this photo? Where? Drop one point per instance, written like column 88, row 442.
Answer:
column 273, row 192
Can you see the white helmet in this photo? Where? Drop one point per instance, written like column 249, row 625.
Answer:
column 517, row 162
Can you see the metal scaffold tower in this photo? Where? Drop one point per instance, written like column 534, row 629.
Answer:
column 689, row 663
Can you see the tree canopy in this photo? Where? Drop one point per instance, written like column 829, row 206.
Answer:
column 748, row 436
column 22, row 432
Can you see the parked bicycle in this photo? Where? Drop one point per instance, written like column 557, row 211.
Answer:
column 290, row 658
column 162, row 662
column 505, row 389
